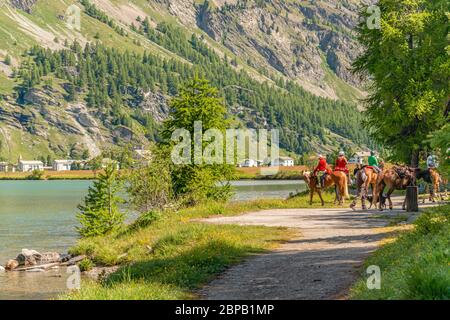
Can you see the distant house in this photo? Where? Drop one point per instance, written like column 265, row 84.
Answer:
column 63, row 165
column 28, row 166
column 354, row 160
column 359, row 157
column 283, row 162
column 4, row 167
column 248, row 163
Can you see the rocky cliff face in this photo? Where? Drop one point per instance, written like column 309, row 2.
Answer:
column 303, row 40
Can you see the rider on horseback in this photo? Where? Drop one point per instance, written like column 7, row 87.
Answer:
column 373, row 162
column 432, row 162
column 321, row 170
column 341, row 164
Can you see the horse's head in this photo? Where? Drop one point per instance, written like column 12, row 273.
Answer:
column 307, row 176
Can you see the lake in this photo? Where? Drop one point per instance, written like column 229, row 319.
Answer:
column 41, row 215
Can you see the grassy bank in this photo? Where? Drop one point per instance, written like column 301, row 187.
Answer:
column 288, row 173
column 177, row 254
column 417, row 264
column 269, row 173
column 51, row 175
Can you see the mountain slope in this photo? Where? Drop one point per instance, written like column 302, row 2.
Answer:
column 304, row 42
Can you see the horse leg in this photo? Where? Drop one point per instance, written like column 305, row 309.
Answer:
column 425, row 192
column 311, row 194
column 391, row 206
column 364, row 197
column 342, row 195
column 336, row 199
column 379, row 195
column 320, row 196
column 431, row 198
column 436, row 190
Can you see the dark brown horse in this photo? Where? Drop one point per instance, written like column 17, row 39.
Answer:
column 397, row 178
column 433, row 181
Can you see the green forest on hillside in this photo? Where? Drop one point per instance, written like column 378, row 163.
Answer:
column 114, row 82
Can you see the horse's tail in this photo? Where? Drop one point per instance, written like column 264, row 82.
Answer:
column 346, row 194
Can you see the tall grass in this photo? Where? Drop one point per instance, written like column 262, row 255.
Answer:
column 417, row 264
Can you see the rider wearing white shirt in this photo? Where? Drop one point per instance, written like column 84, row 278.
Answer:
column 432, row 162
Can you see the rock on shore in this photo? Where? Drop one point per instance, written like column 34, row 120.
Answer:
column 31, row 258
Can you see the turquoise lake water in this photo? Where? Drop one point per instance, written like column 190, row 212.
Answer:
column 41, row 215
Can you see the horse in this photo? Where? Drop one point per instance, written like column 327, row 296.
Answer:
column 431, row 177
column 336, row 178
column 397, row 178
column 365, row 177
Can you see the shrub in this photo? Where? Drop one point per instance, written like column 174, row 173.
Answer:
column 36, row 175
column 86, row 265
column 150, row 185
column 146, row 219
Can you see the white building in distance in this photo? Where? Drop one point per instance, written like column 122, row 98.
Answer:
column 28, row 166
column 248, row 163
column 62, row 165
column 283, row 162
column 4, row 167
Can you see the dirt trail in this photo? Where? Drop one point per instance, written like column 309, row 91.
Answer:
column 321, row 263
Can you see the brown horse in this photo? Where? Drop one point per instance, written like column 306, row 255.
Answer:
column 397, row 178
column 338, row 179
column 365, row 177
column 431, row 177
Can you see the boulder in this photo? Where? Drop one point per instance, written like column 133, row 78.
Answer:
column 49, row 257
column 64, row 257
column 11, row 265
column 28, row 258
column 2, row 269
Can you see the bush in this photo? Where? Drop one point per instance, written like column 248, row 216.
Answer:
column 86, row 265
column 146, row 219
column 36, row 175
column 150, row 185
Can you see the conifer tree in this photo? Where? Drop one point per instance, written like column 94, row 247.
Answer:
column 100, row 212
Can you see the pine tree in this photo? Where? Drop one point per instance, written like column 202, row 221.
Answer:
column 100, row 212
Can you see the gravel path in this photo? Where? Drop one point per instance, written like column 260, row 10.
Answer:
column 322, row 262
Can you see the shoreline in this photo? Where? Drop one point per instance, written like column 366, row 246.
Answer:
column 285, row 173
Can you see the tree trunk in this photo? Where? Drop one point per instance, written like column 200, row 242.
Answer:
column 415, row 159
column 412, row 203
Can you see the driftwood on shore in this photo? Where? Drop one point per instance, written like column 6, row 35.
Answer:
column 31, row 260
column 38, row 266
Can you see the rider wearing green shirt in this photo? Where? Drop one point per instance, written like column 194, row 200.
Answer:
column 373, row 162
